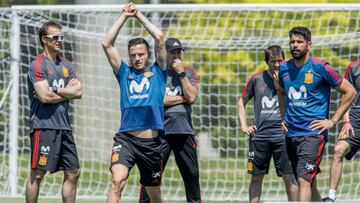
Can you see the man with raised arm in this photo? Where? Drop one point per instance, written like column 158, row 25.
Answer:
column 52, row 82
column 349, row 138
column 179, row 137
column 307, row 82
column 142, row 90
column 266, row 137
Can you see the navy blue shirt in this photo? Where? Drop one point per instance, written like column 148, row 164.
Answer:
column 49, row 116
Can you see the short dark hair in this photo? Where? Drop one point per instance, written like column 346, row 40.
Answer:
column 44, row 29
column 137, row 41
column 303, row 31
column 273, row 50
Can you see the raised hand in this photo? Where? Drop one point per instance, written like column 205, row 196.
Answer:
column 130, row 10
column 178, row 66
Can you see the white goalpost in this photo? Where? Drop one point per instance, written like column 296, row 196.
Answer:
column 224, row 43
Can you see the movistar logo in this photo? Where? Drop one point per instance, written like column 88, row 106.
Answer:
column 293, row 94
column 45, row 149
column 267, row 103
column 176, row 91
column 59, row 84
column 138, row 88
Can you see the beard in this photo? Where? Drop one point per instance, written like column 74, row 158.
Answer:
column 298, row 54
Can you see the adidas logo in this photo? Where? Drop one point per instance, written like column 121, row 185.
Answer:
column 176, row 44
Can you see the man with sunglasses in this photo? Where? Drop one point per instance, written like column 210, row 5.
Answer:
column 52, row 82
column 142, row 90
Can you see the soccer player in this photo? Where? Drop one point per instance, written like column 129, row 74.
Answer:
column 266, row 137
column 142, row 90
column 52, row 82
column 349, row 138
column 181, row 92
column 307, row 82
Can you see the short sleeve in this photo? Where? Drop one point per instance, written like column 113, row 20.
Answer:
column 331, row 75
column 248, row 92
column 37, row 71
column 349, row 75
column 122, row 69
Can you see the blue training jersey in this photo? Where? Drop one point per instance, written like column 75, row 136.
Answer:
column 141, row 97
column 308, row 94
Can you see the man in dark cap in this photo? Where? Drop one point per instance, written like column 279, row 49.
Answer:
column 179, row 136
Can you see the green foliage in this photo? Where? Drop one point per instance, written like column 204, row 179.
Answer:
column 226, row 56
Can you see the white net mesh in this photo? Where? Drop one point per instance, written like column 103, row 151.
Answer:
column 224, row 43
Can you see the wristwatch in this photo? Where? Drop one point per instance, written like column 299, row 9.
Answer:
column 182, row 74
column 54, row 89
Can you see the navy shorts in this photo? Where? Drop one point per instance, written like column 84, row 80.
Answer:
column 354, row 142
column 129, row 150
column 305, row 154
column 260, row 153
column 53, row 150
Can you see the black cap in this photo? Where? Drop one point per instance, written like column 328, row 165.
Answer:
column 173, row 43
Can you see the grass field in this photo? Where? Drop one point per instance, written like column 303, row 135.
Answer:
column 226, row 175
column 18, row 200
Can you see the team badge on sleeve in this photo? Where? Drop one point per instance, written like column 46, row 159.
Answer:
column 65, row 71
column 309, row 77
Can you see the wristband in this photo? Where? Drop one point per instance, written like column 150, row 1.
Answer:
column 182, row 74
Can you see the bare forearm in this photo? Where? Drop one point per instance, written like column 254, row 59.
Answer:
column 242, row 113
column 158, row 35
column 173, row 100
column 155, row 32
column 111, row 35
column 190, row 92
column 345, row 103
column 51, row 98
column 70, row 92
column 346, row 116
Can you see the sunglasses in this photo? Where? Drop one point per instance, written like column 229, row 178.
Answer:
column 55, row 37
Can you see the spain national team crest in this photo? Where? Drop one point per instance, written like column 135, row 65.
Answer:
column 250, row 166
column 65, row 71
column 309, row 77
column 114, row 157
column 148, row 74
column 42, row 160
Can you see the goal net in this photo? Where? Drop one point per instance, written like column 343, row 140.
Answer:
column 224, row 43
